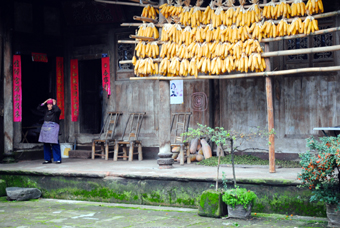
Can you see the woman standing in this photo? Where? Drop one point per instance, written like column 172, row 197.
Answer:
column 50, row 131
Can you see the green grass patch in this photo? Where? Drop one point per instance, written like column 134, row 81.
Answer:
column 248, row 160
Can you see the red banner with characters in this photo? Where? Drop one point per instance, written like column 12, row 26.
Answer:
column 17, row 92
column 106, row 75
column 74, row 90
column 39, row 57
column 60, row 86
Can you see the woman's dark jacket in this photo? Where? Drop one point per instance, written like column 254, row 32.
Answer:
column 50, row 115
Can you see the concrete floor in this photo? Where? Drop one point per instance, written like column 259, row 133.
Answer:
column 149, row 169
column 67, row 213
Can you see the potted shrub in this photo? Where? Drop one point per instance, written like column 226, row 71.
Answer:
column 211, row 203
column 321, row 174
column 239, row 201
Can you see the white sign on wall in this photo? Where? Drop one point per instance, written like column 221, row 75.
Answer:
column 176, row 92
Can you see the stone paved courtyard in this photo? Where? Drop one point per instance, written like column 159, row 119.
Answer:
column 66, row 214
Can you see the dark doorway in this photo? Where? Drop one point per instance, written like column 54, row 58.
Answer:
column 91, row 96
column 38, row 84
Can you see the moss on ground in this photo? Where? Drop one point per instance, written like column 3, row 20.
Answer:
column 248, row 160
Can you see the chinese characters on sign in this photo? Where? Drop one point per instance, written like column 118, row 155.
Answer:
column 176, row 92
column 17, row 93
column 106, row 75
column 60, row 86
column 39, row 57
column 74, row 90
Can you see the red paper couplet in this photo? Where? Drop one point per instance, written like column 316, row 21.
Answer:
column 106, row 74
column 17, row 92
column 74, row 90
column 60, row 86
column 39, row 57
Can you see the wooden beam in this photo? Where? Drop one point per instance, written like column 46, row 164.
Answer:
column 146, row 19
column 245, row 75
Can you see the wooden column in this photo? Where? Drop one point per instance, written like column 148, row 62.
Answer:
column 8, row 101
column 164, row 110
column 270, row 111
column 164, row 117
column 270, row 115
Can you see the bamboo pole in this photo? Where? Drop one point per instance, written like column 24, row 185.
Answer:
column 157, row 6
column 138, row 18
column 323, row 31
column 124, row 3
column 142, row 38
column 145, row 2
column 245, row 75
column 277, row 53
column 300, row 51
column 137, row 25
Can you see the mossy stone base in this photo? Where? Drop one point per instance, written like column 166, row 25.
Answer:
column 3, row 188
column 211, row 204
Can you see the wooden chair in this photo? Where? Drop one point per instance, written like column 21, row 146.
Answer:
column 181, row 126
column 106, row 135
column 134, row 122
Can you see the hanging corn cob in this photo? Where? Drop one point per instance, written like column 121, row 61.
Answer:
column 283, row 9
column 269, row 10
column 193, row 70
column 282, row 28
column 148, row 30
column 229, row 16
column 314, row 6
column 207, row 14
column 174, row 66
column 165, row 32
column 256, row 63
column 310, row 25
column 150, row 12
column 145, row 67
column 185, row 15
column 240, row 14
column 296, row 27
column 253, row 13
column 186, row 36
column 164, row 66
column 255, row 30
column 298, row 8
column 196, row 17
column 268, row 29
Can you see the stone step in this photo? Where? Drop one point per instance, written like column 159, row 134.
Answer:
column 83, row 154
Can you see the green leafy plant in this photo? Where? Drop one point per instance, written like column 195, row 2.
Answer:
column 239, row 196
column 319, row 169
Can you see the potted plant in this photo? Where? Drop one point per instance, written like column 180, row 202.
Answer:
column 239, row 201
column 321, row 174
column 211, row 203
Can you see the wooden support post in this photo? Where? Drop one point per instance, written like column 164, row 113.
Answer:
column 140, row 153
column 270, row 115
column 124, row 152
column 131, row 151
column 115, row 153
column 164, row 117
column 8, row 80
